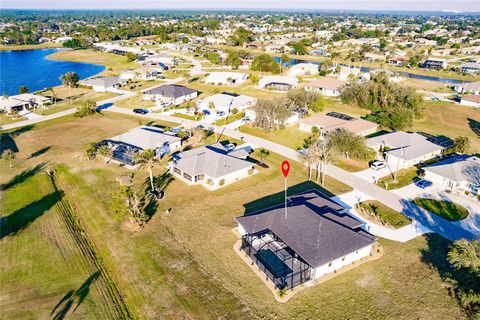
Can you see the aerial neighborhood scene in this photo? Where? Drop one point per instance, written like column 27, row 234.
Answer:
column 239, row 160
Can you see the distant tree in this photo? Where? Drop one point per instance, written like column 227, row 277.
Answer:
column 70, row 79
column 88, row 108
column 299, row 48
column 255, row 79
column 147, row 159
column 265, row 63
column 350, row 145
column 23, row 89
column 262, row 154
column 305, row 100
column 213, row 57
column 185, row 40
column 284, row 59
column 8, row 156
column 241, row 36
column 394, row 106
column 271, row 114
column 186, row 76
column 72, row 43
column 91, row 152
column 54, row 94
column 233, row 60
column 131, row 56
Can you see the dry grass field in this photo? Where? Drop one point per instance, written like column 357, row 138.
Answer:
column 182, row 264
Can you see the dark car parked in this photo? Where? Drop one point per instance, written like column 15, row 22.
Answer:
column 140, row 111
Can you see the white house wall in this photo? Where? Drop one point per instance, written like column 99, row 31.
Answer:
column 342, row 262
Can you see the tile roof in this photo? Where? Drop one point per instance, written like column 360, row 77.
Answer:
column 170, row 91
column 461, row 168
column 144, row 138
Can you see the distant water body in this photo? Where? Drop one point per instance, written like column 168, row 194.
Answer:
column 33, row 69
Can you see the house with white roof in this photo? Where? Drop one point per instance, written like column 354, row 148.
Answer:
column 211, row 166
column 304, row 69
column 278, row 83
column 325, row 86
column 468, row 87
column 403, row 149
column 226, row 78
column 460, row 172
column 102, row 84
column 22, row 101
column 127, row 145
column 223, row 102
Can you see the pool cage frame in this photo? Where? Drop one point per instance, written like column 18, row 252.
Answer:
column 284, row 253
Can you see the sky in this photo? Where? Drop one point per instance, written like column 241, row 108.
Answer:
column 378, row 5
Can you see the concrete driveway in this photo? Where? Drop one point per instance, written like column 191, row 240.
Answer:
column 372, row 175
column 471, row 223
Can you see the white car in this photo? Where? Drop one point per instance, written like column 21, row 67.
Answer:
column 377, row 165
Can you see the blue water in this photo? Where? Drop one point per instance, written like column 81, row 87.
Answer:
column 32, row 68
column 293, row 62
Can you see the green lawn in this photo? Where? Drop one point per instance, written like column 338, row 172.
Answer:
column 289, row 136
column 6, row 119
column 350, row 165
column 402, row 178
column 186, row 116
column 135, row 102
column 448, row 210
column 377, row 212
column 230, row 119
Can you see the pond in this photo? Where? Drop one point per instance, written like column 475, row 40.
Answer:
column 33, row 69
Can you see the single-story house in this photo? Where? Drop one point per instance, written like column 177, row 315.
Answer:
column 346, row 72
column 223, row 102
column 304, row 69
column 102, row 84
column 397, row 61
column 471, row 100
column 435, row 63
column 126, row 145
column 140, row 73
column 280, row 83
column 468, row 87
column 403, row 149
column 170, row 94
column 470, row 68
column 211, row 166
column 226, row 78
column 461, row 172
column 22, row 101
column 329, row 87
column 313, row 237
column 333, row 121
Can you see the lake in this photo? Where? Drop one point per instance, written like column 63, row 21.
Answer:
column 33, row 68
column 367, row 69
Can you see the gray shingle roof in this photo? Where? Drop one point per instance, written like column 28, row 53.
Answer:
column 171, row 91
column 212, row 160
column 458, row 168
column 316, row 227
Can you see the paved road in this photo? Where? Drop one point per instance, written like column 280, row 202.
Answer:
column 424, row 219
column 124, row 95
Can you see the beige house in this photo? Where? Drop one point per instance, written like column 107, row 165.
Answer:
column 333, row 121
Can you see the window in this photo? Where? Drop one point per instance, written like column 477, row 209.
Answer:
column 330, row 264
column 343, row 259
column 187, row 176
column 177, row 171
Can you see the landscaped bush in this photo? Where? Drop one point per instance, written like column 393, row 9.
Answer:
column 382, row 213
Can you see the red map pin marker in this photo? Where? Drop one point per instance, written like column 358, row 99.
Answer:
column 285, row 168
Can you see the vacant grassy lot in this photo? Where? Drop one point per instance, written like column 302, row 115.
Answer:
column 289, row 136
column 114, row 63
column 451, row 120
column 350, row 165
column 135, row 102
column 377, row 212
column 230, row 119
column 182, row 265
column 445, row 209
column 402, row 178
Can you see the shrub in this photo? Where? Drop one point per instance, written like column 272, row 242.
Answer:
column 221, row 182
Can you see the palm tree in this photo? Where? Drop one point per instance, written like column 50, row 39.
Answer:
column 147, row 159
column 23, row 89
column 263, row 154
column 105, row 152
column 70, row 79
column 54, row 94
column 8, row 155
